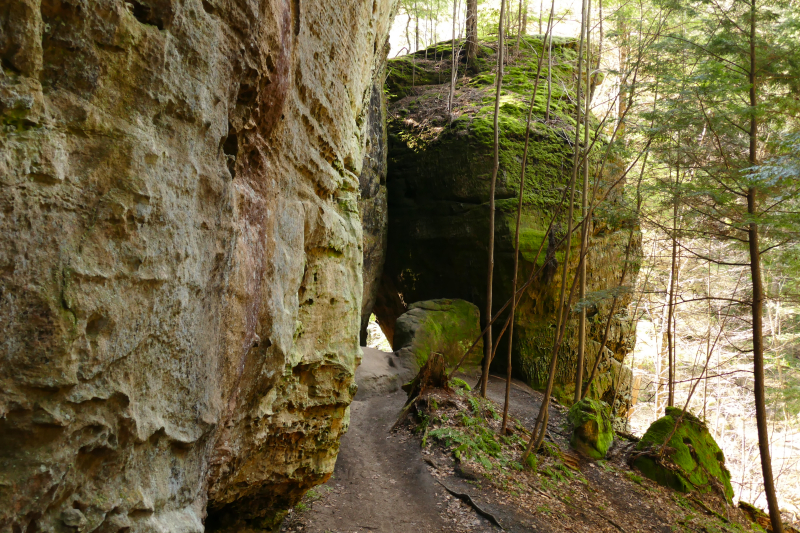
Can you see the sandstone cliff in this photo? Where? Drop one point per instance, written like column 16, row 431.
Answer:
column 438, row 188
column 180, row 256
column 372, row 205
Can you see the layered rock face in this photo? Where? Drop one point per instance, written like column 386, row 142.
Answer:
column 180, row 256
column 439, row 175
column 372, row 206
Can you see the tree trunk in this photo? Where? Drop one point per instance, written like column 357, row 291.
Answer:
column 671, row 296
column 408, row 35
column 488, row 342
column 519, row 28
column 525, row 19
column 708, row 334
column 453, row 64
column 584, row 211
column 540, row 426
column 416, row 27
column 624, row 50
column 416, row 46
column 472, row 35
column 541, row 9
column 516, row 242
column 550, row 24
column 758, row 300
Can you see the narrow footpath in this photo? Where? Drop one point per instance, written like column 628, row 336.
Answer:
column 385, row 481
column 382, row 481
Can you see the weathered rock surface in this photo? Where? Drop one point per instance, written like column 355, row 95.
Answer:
column 372, row 205
column 592, row 433
column 438, row 181
column 380, row 373
column 692, row 460
column 444, row 326
column 180, row 256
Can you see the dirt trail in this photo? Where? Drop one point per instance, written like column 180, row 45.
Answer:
column 386, row 482
column 381, row 481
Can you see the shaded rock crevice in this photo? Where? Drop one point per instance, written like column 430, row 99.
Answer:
column 373, row 201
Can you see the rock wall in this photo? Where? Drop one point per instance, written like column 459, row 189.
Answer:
column 439, row 173
column 180, row 256
column 372, row 206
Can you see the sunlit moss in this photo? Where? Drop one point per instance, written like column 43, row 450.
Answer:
column 695, row 460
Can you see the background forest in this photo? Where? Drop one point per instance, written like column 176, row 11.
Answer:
column 701, row 99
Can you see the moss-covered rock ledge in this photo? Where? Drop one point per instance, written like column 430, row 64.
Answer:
column 438, row 181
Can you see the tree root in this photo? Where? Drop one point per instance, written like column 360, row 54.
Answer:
column 467, row 499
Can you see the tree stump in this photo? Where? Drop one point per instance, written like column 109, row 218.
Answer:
column 433, row 375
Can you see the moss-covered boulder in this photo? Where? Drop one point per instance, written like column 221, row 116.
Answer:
column 592, row 432
column 443, row 326
column 692, row 460
column 439, row 171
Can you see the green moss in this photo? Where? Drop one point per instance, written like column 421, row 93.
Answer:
column 592, row 433
column 530, row 241
column 446, row 326
column 696, row 461
column 458, row 383
column 439, row 175
column 15, row 120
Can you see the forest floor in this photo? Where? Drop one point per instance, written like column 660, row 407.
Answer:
column 409, row 481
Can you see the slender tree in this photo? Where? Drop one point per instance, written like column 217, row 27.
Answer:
column 540, row 427
column 539, row 63
column 671, row 290
column 472, row 35
column 550, row 24
column 541, row 15
column 519, row 29
column 585, row 226
column 488, row 343
column 453, row 64
column 525, row 18
column 758, row 287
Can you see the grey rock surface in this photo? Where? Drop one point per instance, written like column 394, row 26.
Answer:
column 381, row 373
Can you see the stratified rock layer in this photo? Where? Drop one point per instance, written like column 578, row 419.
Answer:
column 439, row 174
column 180, row 256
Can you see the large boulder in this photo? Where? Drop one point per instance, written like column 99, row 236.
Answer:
column 444, row 326
column 180, row 256
column 438, row 183
column 592, row 432
column 692, row 460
